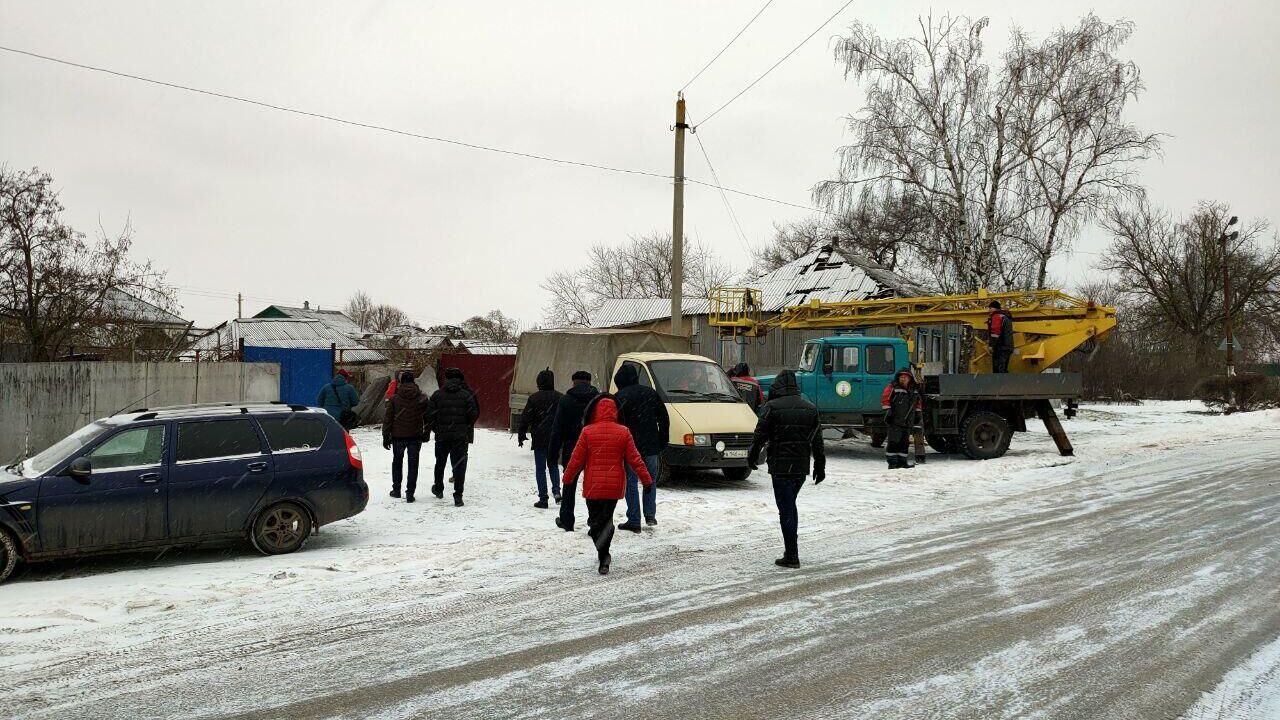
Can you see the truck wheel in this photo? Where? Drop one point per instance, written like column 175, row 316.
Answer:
column 737, row 474
column 8, row 555
column 945, row 444
column 984, row 435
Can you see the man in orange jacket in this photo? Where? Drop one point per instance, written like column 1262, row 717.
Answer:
column 604, row 450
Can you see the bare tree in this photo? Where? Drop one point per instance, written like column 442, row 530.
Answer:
column 493, row 326
column 638, row 268
column 382, row 318
column 359, row 308
column 55, row 286
column 1171, row 273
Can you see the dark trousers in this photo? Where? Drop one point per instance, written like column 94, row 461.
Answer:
column 455, row 453
column 786, row 488
column 898, row 450
column 600, row 524
column 1000, row 359
column 399, row 449
column 544, row 465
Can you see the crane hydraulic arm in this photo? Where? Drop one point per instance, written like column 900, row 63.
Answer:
column 1048, row 324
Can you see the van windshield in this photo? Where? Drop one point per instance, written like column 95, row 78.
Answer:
column 62, row 450
column 692, row 381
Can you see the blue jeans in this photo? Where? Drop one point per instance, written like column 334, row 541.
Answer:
column 544, row 464
column 650, row 494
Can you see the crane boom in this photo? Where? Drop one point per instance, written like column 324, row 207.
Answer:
column 1048, row 324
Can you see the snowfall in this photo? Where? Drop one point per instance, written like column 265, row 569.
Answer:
column 499, row 540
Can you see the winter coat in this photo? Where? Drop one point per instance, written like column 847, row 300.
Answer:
column 540, row 411
column 1000, row 330
column 604, row 451
column 568, row 420
column 900, row 404
column 336, row 396
column 642, row 410
column 452, row 412
column 748, row 387
column 406, row 413
column 790, row 426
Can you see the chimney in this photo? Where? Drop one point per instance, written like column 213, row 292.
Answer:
column 306, row 304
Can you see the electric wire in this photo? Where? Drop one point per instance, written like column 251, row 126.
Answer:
column 780, row 61
column 726, row 47
column 733, row 216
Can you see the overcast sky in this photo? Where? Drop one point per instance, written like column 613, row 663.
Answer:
column 234, row 198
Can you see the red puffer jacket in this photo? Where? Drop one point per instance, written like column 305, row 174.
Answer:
column 604, row 450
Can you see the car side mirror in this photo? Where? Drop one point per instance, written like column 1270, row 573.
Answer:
column 80, row 469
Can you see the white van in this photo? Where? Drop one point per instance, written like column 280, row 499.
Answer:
column 711, row 425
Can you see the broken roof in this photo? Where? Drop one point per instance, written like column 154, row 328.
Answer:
column 284, row 333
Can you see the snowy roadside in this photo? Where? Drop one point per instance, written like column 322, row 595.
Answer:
column 499, row 542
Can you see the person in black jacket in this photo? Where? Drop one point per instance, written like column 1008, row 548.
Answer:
column 789, row 425
column 999, row 337
column 645, row 415
column 538, row 415
column 565, row 430
column 452, row 415
column 902, row 405
column 404, row 431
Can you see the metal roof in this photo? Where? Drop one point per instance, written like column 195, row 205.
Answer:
column 284, row 333
column 125, row 307
column 821, row 275
column 335, row 319
column 477, row 347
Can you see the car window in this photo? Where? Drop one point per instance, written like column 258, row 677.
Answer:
column 293, row 433
column 847, row 359
column 215, row 439
column 135, row 447
column 810, row 357
column 641, row 372
column 63, row 449
column 880, row 359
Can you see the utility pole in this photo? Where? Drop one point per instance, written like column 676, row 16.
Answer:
column 677, row 224
column 239, row 306
column 1229, row 341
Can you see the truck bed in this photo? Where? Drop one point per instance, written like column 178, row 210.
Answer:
column 1006, row 386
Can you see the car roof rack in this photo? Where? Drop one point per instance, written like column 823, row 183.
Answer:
column 215, row 409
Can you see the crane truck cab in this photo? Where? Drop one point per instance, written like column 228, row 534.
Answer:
column 711, row 425
column 974, row 414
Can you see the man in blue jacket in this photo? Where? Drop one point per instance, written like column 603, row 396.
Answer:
column 338, row 395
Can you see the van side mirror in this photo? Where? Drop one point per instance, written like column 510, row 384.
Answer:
column 80, row 469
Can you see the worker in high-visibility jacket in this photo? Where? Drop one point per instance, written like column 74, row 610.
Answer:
column 902, row 404
column 999, row 337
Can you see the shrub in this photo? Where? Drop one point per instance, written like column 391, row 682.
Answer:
column 1252, row 391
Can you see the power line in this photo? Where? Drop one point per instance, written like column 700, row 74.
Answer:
column 782, row 60
column 331, row 118
column 726, row 47
column 744, row 193
column 733, row 217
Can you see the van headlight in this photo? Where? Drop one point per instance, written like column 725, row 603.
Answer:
column 699, row 440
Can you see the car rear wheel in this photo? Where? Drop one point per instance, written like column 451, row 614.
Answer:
column 281, row 528
column 8, row 555
column 985, row 435
column 736, row 474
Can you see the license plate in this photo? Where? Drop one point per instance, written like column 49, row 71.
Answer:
column 735, row 453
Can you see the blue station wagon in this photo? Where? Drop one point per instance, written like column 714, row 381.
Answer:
column 183, row 475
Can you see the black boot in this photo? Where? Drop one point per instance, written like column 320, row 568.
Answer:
column 395, row 492
column 790, row 553
column 438, row 491
column 628, row 526
column 787, row 562
column 541, row 504
column 604, row 563
column 408, row 498
column 457, row 501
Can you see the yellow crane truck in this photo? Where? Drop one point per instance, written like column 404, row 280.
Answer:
column 971, row 411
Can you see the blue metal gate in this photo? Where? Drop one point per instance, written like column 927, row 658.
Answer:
column 303, row 371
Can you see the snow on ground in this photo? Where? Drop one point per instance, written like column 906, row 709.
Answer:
column 499, row 540
column 1249, row 692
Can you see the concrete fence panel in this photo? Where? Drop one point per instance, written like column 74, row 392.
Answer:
column 40, row 403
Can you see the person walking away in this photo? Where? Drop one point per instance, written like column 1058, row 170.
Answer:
column 451, row 415
column 604, row 448
column 338, row 398
column 536, row 418
column 564, row 434
column 391, row 386
column 644, row 413
column 788, row 424
column 999, row 337
column 748, row 387
column 902, row 404
column 404, row 431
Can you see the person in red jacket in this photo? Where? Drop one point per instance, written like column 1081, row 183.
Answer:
column 747, row 386
column 902, row 404
column 604, row 450
column 999, row 337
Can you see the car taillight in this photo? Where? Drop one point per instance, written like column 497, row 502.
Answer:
column 353, row 451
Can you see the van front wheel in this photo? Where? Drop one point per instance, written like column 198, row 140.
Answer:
column 736, row 474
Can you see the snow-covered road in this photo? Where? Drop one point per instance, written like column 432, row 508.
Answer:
column 1125, row 580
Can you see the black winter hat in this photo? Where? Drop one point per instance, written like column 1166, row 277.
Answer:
column 581, row 376
column 994, row 304
column 406, row 377
column 453, row 373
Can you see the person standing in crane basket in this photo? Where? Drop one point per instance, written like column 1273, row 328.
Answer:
column 1000, row 337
